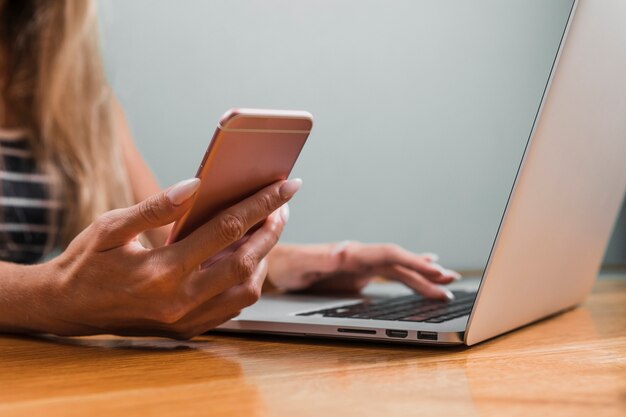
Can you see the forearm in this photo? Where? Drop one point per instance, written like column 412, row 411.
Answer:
column 23, row 298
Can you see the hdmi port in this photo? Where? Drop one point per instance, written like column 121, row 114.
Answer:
column 397, row 333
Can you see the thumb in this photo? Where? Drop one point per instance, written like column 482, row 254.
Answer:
column 122, row 225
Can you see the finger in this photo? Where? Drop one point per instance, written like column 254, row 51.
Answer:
column 208, row 315
column 431, row 257
column 378, row 255
column 263, row 240
column 118, row 227
column 417, row 282
column 273, row 226
column 232, row 224
column 236, row 268
column 228, row 303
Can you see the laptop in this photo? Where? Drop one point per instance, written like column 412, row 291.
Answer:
column 553, row 234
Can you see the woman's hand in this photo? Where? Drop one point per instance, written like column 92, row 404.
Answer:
column 107, row 282
column 349, row 266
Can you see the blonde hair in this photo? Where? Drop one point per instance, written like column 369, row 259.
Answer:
column 54, row 82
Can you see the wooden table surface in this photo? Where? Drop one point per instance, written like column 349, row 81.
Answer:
column 572, row 364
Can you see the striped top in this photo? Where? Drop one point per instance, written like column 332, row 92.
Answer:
column 28, row 215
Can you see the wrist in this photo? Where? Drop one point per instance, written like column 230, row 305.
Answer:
column 275, row 261
column 26, row 292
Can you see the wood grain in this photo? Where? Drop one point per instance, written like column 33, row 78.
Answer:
column 572, row 364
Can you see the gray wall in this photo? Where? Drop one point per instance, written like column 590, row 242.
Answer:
column 422, row 108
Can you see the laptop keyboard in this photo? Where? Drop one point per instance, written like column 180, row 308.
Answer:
column 406, row 308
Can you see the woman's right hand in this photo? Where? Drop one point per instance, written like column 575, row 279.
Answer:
column 107, row 282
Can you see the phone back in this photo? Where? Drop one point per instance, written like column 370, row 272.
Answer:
column 250, row 150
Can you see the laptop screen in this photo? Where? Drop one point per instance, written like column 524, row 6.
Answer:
column 422, row 108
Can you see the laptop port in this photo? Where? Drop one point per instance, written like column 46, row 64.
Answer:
column 356, row 331
column 427, row 335
column 397, row 333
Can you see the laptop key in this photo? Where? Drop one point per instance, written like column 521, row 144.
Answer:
column 406, row 308
column 360, row 316
column 308, row 313
column 391, row 317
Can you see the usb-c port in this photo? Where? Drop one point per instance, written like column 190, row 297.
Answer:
column 427, row 335
column 397, row 333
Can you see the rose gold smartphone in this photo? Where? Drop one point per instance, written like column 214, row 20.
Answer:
column 250, row 149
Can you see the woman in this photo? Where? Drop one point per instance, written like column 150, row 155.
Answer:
column 73, row 179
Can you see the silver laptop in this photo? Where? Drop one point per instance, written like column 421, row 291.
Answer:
column 552, row 236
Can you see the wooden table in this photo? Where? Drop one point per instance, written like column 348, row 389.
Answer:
column 573, row 364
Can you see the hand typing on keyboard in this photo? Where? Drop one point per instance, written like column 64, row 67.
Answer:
column 349, row 266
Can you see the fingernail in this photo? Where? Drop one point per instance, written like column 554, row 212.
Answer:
column 450, row 273
column 183, row 191
column 446, row 292
column 289, row 188
column 339, row 247
column 454, row 275
column 284, row 212
column 432, row 256
column 446, row 272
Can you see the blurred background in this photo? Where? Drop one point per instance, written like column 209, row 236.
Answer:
column 422, row 108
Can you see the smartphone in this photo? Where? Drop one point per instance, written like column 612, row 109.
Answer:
column 250, row 149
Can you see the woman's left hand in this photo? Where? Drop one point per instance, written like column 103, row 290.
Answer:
column 349, row 266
